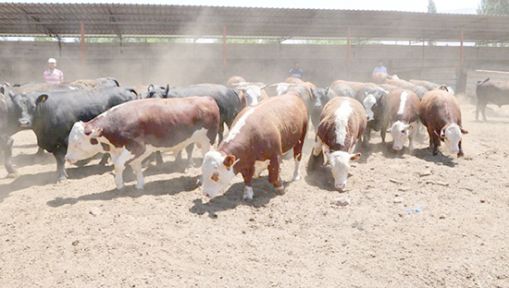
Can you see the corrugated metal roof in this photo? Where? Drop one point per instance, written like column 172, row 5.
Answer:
column 151, row 19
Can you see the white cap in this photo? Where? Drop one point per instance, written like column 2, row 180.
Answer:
column 52, row 60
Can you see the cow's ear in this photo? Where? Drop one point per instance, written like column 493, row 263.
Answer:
column 150, row 88
column 41, row 99
column 355, row 156
column 229, row 161
column 463, row 131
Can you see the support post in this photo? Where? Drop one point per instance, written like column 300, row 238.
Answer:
column 461, row 77
column 225, row 52
column 83, row 47
column 348, row 54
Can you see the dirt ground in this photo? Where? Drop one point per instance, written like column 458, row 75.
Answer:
column 409, row 221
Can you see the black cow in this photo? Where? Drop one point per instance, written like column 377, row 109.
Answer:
column 52, row 115
column 489, row 91
column 227, row 99
column 9, row 120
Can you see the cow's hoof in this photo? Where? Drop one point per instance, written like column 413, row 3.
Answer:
column 248, row 194
column 461, row 154
column 296, row 178
column 61, row 179
column 139, row 187
column 12, row 175
column 280, row 190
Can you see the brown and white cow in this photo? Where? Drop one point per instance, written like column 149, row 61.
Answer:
column 402, row 116
column 440, row 113
column 258, row 139
column 132, row 131
column 342, row 124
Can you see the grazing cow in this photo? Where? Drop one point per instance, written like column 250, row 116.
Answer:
column 132, row 131
column 227, row 99
column 342, row 124
column 489, row 91
column 52, row 115
column 402, row 114
column 258, row 139
column 440, row 113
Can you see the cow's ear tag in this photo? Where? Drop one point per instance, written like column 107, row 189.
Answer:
column 41, row 99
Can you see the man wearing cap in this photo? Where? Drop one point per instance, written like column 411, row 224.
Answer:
column 52, row 75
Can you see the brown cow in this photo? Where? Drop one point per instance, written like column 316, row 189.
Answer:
column 130, row 132
column 440, row 113
column 401, row 114
column 258, row 139
column 342, row 124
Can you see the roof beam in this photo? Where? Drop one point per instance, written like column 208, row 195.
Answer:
column 42, row 28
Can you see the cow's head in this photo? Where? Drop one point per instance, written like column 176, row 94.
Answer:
column 451, row 135
column 252, row 94
column 26, row 104
column 83, row 142
column 158, row 91
column 369, row 102
column 400, row 132
column 339, row 163
column 217, row 172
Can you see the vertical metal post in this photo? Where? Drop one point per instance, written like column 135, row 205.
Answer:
column 348, row 53
column 82, row 44
column 225, row 52
column 461, row 78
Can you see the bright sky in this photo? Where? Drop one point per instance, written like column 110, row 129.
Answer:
column 443, row 6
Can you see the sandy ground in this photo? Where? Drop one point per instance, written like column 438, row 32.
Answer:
column 412, row 221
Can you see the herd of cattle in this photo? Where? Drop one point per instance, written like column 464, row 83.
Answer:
column 78, row 120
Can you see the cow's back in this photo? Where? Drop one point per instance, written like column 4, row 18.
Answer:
column 159, row 122
column 54, row 118
column 356, row 123
column 438, row 108
column 276, row 122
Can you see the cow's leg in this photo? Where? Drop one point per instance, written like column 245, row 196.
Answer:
column 460, row 153
column 159, row 158
column 189, row 151
column 60, row 157
column 39, row 153
column 435, row 140
column 119, row 161
column 247, row 174
column 220, row 132
column 274, row 177
column 297, row 156
column 137, row 168
column 477, row 111
column 104, row 159
column 383, row 132
column 483, row 111
column 7, row 143
column 414, row 129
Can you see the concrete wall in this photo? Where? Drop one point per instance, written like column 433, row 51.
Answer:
column 180, row 64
